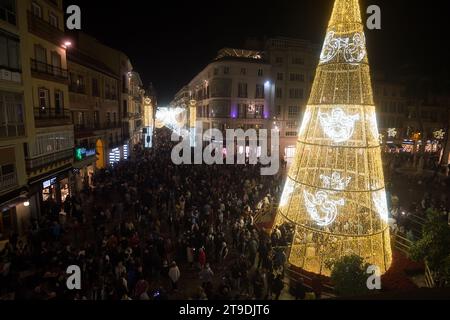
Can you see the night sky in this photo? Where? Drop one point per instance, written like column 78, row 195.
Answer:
column 169, row 42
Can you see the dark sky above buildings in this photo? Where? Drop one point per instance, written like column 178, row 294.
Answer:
column 169, row 42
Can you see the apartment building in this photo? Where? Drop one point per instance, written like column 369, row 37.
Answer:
column 95, row 107
column 36, row 131
column 392, row 104
column 233, row 91
column 294, row 63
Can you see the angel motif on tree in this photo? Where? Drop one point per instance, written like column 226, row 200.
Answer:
column 338, row 126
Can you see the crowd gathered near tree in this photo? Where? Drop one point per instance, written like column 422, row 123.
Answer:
column 151, row 230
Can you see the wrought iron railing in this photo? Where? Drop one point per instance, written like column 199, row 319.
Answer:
column 8, row 180
column 48, row 69
column 46, row 113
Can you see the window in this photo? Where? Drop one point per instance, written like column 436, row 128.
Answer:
column 113, row 91
column 11, row 115
column 59, row 101
column 125, row 108
column 278, row 111
column 107, row 91
column 243, row 71
column 279, row 60
column 298, row 60
column 36, row 9
column 108, row 118
column 393, row 108
column 291, row 133
column 293, row 111
column 40, row 54
column 296, row 93
column 280, row 76
column 242, row 110
column 259, row 91
column 226, row 70
column 259, row 111
column 9, row 52
column 96, row 118
column 279, row 93
column 114, row 118
column 216, row 71
column 297, row 77
column 80, row 118
column 80, row 84
column 95, row 89
column 53, row 20
column 56, row 63
column 260, row 72
column 242, row 90
column 8, row 11
column 291, row 125
column 44, row 101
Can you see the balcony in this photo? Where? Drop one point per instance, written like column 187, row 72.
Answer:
column 8, row 181
column 8, row 15
column 49, row 72
column 74, row 88
column 43, row 161
column 47, row 117
column 44, row 29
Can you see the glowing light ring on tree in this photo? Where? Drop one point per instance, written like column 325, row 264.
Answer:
column 305, row 122
column 380, row 203
column 338, row 126
column 353, row 52
column 373, row 125
column 288, row 190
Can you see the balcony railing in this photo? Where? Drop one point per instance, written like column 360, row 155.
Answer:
column 46, row 117
column 44, row 29
column 40, row 162
column 7, row 15
column 8, row 180
column 48, row 71
column 96, row 127
column 49, row 113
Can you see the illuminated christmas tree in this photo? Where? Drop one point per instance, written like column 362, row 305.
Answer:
column 335, row 193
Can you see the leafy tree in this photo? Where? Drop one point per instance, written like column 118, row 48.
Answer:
column 349, row 275
column 434, row 247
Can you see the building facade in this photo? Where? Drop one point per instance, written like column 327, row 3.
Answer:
column 37, row 136
column 233, row 91
column 95, row 106
column 64, row 110
column 293, row 64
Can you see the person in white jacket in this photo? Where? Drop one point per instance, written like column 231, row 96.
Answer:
column 174, row 275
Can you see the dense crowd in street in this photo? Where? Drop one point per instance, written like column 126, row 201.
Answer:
column 152, row 230
column 416, row 187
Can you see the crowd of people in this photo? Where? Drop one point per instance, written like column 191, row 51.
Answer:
column 413, row 194
column 152, row 230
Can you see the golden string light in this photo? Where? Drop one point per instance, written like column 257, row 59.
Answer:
column 335, row 192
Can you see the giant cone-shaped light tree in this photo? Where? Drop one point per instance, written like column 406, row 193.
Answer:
column 335, row 193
